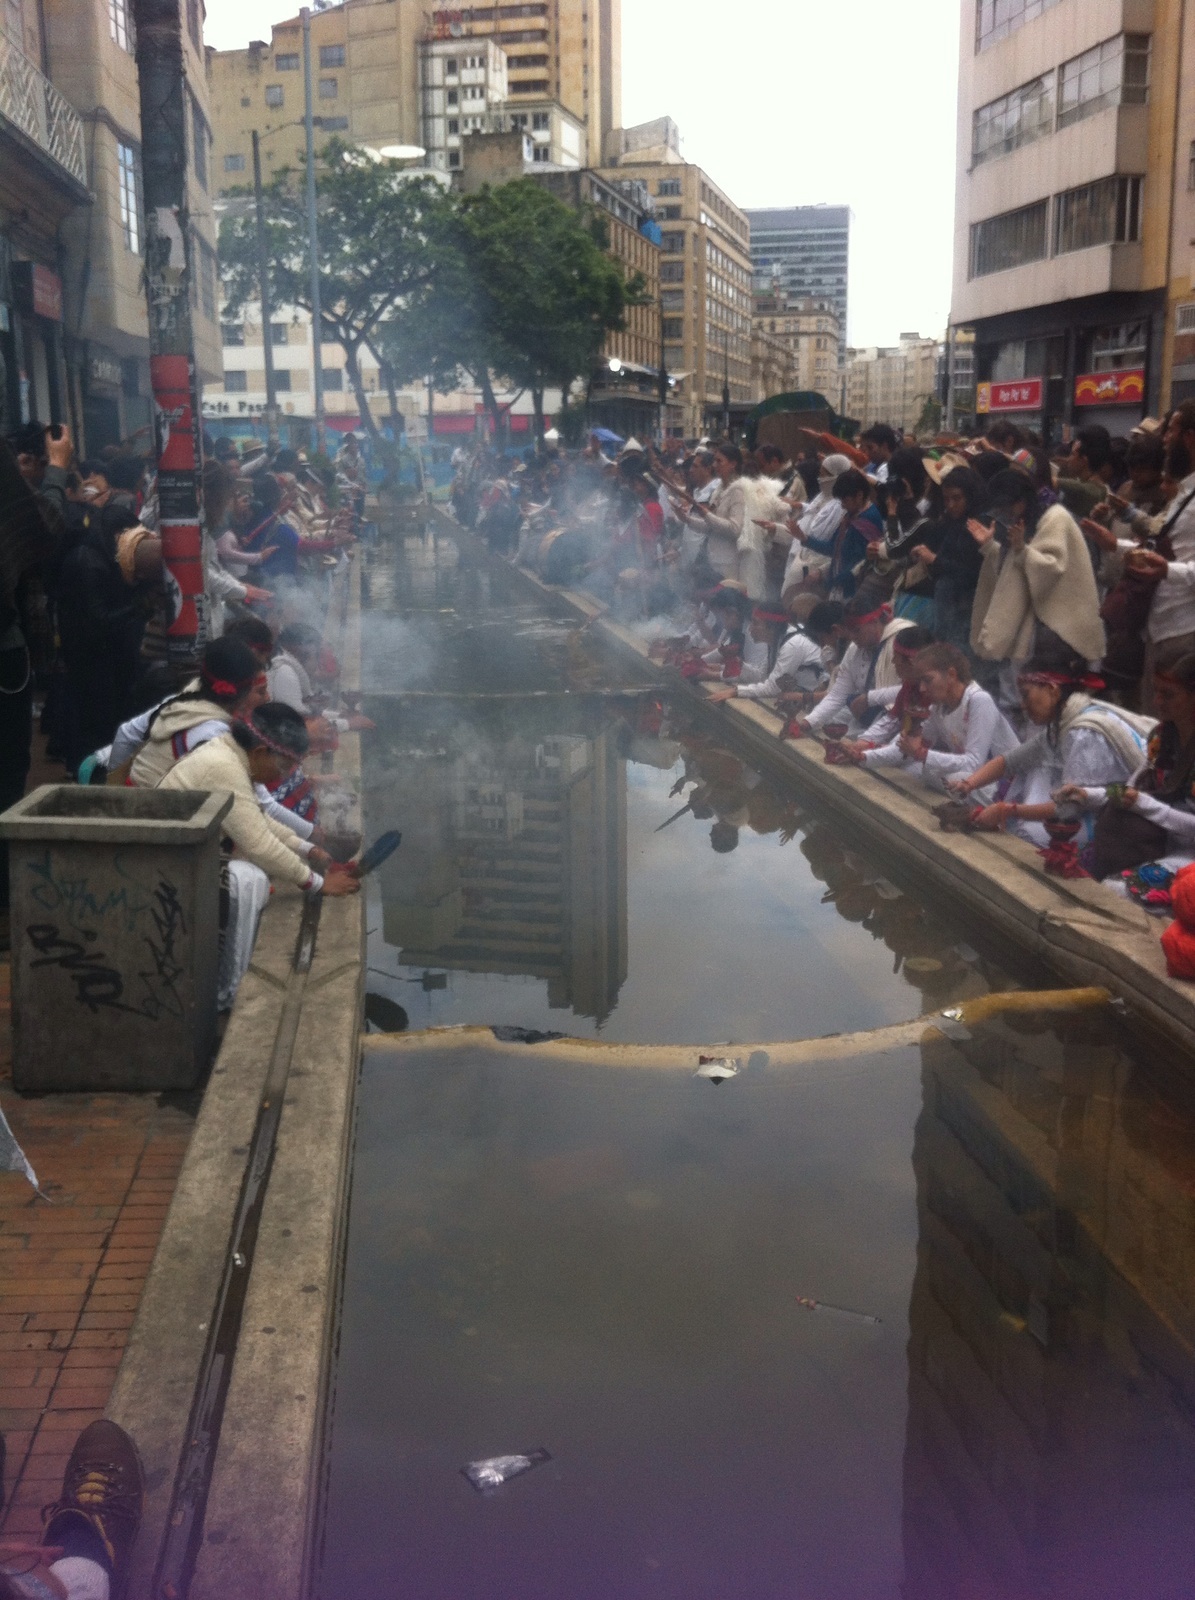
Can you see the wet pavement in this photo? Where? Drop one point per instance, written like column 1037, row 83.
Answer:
column 613, row 1262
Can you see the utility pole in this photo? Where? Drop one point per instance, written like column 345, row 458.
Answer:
column 168, row 276
column 313, row 235
column 663, row 384
column 263, row 290
column 726, row 386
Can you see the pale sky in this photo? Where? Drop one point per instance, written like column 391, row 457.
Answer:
column 795, row 102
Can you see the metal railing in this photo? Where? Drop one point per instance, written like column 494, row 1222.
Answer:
column 32, row 103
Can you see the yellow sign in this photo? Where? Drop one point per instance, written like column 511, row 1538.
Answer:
column 983, row 398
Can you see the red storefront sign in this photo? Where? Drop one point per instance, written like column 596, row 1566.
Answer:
column 1125, row 388
column 1023, row 395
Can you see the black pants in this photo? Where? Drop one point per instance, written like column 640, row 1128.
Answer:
column 16, row 739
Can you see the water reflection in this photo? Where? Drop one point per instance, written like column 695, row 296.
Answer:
column 1051, row 1434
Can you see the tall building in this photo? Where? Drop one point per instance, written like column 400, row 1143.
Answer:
column 810, row 331
column 893, row 383
column 1070, row 247
column 74, row 334
column 705, row 274
column 400, row 72
column 807, row 248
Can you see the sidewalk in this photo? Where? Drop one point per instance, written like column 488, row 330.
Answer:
column 72, row 1270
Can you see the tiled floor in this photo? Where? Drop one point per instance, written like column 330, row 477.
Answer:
column 72, row 1270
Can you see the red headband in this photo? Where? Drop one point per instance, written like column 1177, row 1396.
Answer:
column 259, row 737
column 766, row 614
column 872, row 616
column 1063, row 680
column 226, row 689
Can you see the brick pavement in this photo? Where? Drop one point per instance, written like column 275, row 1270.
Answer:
column 71, row 1271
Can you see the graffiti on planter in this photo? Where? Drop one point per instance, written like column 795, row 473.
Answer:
column 98, row 984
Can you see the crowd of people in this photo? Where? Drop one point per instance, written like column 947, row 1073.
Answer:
column 1012, row 626
column 86, row 605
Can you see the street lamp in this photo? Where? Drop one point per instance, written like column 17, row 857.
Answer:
column 317, row 331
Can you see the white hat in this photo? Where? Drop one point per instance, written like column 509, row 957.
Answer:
column 552, row 436
column 834, row 467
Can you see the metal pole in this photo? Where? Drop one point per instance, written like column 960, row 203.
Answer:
column 663, row 384
column 726, row 385
column 313, row 236
column 263, row 289
column 169, row 248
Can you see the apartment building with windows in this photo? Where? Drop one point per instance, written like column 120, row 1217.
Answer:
column 705, row 275
column 1065, row 244
column 892, row 383
column 387, row 72
column 810, row 331
column 74, row 335
column 806, row 250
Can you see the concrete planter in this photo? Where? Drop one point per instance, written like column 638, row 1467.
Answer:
column 115, row 912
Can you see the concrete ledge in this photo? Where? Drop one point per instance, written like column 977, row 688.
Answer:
column 1081, row 931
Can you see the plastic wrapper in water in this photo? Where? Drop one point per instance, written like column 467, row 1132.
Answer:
column 716, row 1068
column 494, row 1471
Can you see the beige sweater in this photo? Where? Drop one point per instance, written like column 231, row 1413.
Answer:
column 1050, row 581
column 156, row 756
column 221, row 764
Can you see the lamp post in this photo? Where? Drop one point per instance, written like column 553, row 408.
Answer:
column 663, row 385
column 313, row 237
column 263, row 289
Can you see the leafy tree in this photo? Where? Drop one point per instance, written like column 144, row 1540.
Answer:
column 377, row 228
column 930, row 420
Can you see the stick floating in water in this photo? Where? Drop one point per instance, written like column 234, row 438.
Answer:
column 839, row 1311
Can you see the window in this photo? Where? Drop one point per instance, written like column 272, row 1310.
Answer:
column 236, row 383
column 1115, row 349
column 329, row 88
column 1184, row 318
column 669, row 213
column 199, row 137
column 674, row 300
column 672, row 244
column 1106, row 212
column 1112, row 74
column 541, row 153
column 668, row 186
column 530, row 86
column 527, row 61
column 234, row 163
column 333, row 380
column 281, row 379
column 454, row 98
column 119, row 26
column 288, row 61
column 518, row 122
column 673, row 327
column 1009, row 240
column 232, row 333
column 450, row 66
column 474, row 91
column 672, row 272
column 273, row 94
column 331, row 55
column 996, row 19
column 541, row 119
column 333, row 124
column 454, row 124
column 129, row 179
column 454, row 158
column 279, row 333
column 1013, row 120
column 207, row 279
column 194, row 26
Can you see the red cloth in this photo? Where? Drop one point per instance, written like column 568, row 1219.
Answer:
column 1179, row 939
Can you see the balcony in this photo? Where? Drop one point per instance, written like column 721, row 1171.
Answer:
column 31, row 104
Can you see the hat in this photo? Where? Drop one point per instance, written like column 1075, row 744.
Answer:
column 938, row 467
column 632, row 447
column 552, row 436
column 833, row 467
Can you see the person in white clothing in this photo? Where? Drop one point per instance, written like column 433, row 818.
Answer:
column 1171, row 626
column 795, row 661
column 880, row 443
column 868, row 664
column 965, row 727
column 734, row 545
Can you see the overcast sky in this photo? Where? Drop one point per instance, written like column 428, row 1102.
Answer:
column 850, row 102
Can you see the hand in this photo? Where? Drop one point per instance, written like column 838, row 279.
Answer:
column 855, row 749
column 923, row 553
column 1147, row 562
column 913, row 746
column 859, row 707
column 339, row 883
column 319, row 859
column 993, row 816
column 358, row 723
column 1016, row 535
column 874, row 551
column 719, row 695
column 1073, row 794
column 268, row 551
column 1116, row 501
column 256, row 596
column 59, row 452
column 960, row 786
column 1102, row 538
column 1128, row 799
column 699, row 509
column 981, row 532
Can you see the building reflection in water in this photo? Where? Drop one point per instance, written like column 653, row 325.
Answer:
column 1050, row 1448
column 514, row 850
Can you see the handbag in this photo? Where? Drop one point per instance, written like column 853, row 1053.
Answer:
column 1126, row 605
column 1122, row 840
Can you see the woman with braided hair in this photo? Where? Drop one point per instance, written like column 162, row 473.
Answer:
column 230, row 684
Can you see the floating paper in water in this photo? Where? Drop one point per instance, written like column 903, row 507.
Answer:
column 716, row 1068
column 838, row 1311
column 494, row 1471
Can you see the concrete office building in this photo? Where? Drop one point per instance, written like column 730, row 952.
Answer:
column 807, row 249
column 705, row 274
column 893, row 383
column 382, row 76
column 74, row 336
column 810, row 331
column 1068, row 255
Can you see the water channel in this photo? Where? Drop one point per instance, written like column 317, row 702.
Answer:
column 554, row 1249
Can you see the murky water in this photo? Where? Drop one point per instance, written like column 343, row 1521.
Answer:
column 559, row 1251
